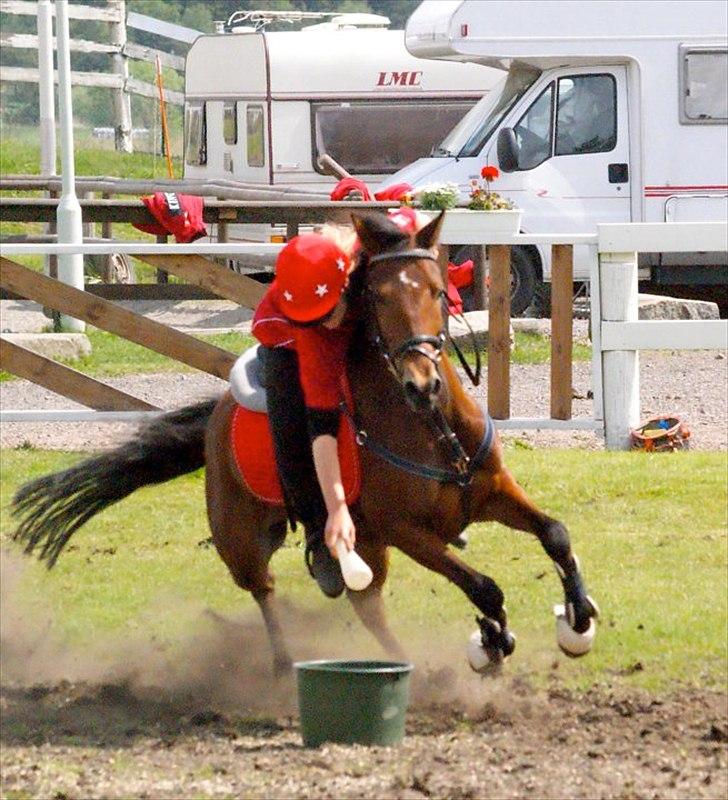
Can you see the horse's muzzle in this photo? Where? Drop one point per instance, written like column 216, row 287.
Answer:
column 422, row 387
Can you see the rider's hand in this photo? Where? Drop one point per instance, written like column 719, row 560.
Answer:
column 340, row 525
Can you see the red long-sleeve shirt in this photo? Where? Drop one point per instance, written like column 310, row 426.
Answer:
column 321, row 351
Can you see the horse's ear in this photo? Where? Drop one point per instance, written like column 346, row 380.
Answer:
column 429, row 235
column 376, row 232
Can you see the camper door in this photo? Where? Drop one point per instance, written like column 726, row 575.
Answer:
column 573, row 143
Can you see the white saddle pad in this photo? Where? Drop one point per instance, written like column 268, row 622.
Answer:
column 246, row 381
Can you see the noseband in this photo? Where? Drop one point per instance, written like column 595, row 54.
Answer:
column 415, row 343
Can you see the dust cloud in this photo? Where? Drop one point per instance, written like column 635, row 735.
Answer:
column 225, row 662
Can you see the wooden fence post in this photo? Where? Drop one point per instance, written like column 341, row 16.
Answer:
column 120, row 66
column 499, row 333
column 620, row 368
column 480, row 293
column 562, row 329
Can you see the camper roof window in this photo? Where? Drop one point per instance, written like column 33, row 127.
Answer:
column 379, row 138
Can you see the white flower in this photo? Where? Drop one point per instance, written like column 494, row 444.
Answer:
column 287, row 295
column 340, row 264
column 322, row 289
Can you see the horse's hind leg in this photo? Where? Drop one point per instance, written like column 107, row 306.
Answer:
column 246, row 533
column 369, row 605
column 511, row 506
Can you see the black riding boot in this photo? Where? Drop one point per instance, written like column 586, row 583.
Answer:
column 296, row 469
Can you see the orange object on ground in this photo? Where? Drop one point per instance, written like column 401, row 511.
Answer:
column 661, row 433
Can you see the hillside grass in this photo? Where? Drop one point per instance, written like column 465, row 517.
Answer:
column 20, row 154
column 650, row 531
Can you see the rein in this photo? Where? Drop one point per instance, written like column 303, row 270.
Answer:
column 463, row 466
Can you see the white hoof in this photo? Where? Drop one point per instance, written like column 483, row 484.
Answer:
column 477, row 657
column 571, row 642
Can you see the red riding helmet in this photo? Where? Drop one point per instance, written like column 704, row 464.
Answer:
column 311, row 274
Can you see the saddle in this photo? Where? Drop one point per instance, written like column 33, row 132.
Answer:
column 252, row 443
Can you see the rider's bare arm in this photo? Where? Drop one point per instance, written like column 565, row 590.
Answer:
column 339, row 524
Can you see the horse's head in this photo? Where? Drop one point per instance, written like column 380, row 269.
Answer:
column 404, row 296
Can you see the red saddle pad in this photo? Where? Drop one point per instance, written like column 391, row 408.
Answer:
column 252, row 445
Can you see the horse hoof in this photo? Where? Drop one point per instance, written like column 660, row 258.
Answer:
column 487, row 661
column 573, row 644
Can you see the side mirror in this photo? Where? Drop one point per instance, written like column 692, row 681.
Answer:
column 508, row 152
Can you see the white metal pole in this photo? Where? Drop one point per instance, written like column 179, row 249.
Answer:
column 45, row 89
column 46, row 100
column 70, row 267
column 620, row 368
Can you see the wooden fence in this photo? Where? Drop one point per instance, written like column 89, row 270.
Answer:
column 191, row 262
column 218, row 213
column 118, row 48
column 617, row 335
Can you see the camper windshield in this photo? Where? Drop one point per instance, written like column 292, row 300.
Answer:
column 475, row 128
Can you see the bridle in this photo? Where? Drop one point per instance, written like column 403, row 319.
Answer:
column 463, row 466
column 414, row 344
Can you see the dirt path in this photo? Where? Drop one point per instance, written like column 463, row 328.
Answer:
column 692, row 384
column 81, row 741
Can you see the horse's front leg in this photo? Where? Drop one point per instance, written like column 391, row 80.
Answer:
column 369, row 605
column 510, row 505
column 495, row 639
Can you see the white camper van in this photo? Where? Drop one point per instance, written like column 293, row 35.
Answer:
column 261, row 107
column 609, row 111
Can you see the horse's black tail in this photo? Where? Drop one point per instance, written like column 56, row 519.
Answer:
column 53, row 507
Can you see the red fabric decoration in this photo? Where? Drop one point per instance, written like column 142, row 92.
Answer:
column 346, row 185
column 454, row 301
column 461, row 275
column 252, row 445
column 176, row 214
column 311, row 273
column 395, row 192
column 405, row 218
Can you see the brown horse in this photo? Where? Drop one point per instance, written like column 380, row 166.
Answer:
column 428, row 451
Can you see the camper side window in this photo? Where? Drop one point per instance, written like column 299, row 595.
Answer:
column 703, row 78
column 230, row 123
column 586, row 120
column 196, row 135
column 255, row 137
column 379, row 138
column 533, row 131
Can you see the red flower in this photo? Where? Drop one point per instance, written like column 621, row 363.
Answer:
column 489, row 173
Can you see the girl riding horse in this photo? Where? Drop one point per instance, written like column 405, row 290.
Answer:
column 431, row 462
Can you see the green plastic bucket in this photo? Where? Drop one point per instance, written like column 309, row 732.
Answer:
column 352, row 702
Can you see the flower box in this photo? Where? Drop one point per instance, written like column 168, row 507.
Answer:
column 465, row 226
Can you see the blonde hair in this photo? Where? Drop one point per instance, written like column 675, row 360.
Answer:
column 343, row 236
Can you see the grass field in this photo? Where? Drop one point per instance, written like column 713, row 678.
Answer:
column 650, row 531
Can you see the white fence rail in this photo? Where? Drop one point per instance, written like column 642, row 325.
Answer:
column 620, row 336
column 617, row 335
